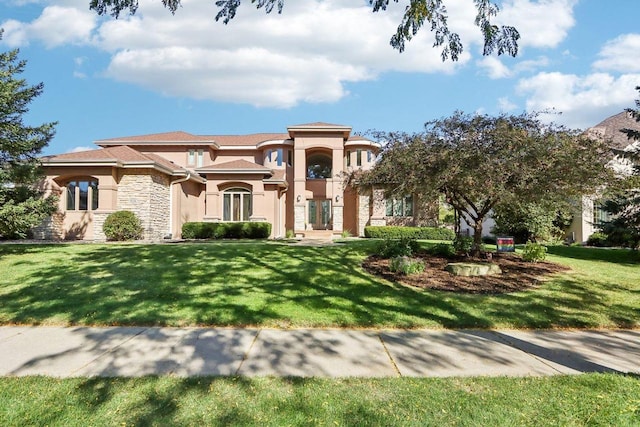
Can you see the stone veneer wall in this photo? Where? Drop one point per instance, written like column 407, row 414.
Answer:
column 364, row 212
column 98, row 222
column 146, row 193
column 338, row 218
column 50, row 228
column 299, row 218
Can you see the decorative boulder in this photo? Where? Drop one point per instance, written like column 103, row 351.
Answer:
column 473, row 269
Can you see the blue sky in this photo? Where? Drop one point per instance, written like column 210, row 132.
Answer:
column 321, row 60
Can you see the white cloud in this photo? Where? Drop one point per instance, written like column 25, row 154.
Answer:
column 57, row 25
column 505, row 105
column 494, row 68
column 542, row 23
column 582, row 101
column 80, row 148
column 620, row 54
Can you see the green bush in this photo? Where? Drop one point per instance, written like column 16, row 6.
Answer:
column 598, row 239
column 442, row 249
column 290, row 234
column 226, row 230
column 397, row 232
column 534, row 252
column 122, row 225
column 390, row 248
column 463, row 244
column 405, row 265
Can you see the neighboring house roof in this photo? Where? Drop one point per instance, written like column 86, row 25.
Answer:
column 611, row 129
column 119, row 156
column 236, row 167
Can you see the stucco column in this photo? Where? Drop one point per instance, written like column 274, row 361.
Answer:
column 299, row 188
column 213, row 211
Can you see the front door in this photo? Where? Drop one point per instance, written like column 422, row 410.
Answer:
column 320, row 214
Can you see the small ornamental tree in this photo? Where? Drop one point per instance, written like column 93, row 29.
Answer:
column 22, row 205
column 478, row 162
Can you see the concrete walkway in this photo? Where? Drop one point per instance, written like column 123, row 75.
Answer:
column 136, row 351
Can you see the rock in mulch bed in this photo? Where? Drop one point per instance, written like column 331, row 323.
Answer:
column 517, row 275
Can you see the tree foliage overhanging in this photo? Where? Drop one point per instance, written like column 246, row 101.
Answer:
column 479, row 162
column 21, row 203
column 624, row 202
column 418, row 13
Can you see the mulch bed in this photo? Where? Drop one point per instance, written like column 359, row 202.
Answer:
column 517, row 275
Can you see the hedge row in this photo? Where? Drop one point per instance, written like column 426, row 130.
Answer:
column 395, row 232
column 226, row 230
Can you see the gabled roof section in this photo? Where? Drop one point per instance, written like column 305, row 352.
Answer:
column 611, row 127
column 166, row 138
column 320, row 127
column 117, row 156
column 236, row 167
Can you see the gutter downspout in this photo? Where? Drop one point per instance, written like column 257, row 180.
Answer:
column 178, row 181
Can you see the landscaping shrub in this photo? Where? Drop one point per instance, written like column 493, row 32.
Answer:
column 442, row 249
column 397, row 232
column 462, row 244
column 226, row 230
column 489, row 240
column 406, row 265
column 122, row 225
column 598, row 239
column 390, row 248
column 534, row 252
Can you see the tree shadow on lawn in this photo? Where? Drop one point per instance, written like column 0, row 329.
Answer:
column 612, row 255
column 268, row 285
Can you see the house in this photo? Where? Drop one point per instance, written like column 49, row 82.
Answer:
column 590, row 210
column 293, row 180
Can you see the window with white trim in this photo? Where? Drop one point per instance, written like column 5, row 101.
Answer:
column 237, row 204
column 200, row 158
column 191, row 157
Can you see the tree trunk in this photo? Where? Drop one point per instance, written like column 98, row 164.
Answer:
column 476, row 248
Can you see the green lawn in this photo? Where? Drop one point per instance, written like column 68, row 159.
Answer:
column 590, row 399
column 276, row 284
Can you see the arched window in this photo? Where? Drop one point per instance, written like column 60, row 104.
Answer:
column 318, row 166
column 237, row 204
column 82, row 194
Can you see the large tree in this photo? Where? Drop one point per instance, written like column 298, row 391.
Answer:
column 624, row 203
column 478, row 162
column 21, row 203
column 503, row 39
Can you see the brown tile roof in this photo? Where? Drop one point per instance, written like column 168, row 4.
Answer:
column 246, row 140
column 119, row 153
column 611, row 127
column 176, row 136
column 237, row 165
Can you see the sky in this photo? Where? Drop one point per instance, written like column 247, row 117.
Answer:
column 318, row 61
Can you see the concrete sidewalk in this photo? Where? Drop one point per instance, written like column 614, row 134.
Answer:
column 136, row 351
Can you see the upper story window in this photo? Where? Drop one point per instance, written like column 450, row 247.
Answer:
column 319, row 166
column 289, row 158
column 371, row 157
column 400, row 207
column 82, row 195
column 195, row 157
column 359, row 157
column 276, row 156
column 348, row 156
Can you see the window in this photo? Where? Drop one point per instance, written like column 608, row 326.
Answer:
column 370, row 156
column 237, row 205
column 268, row 156
column 82, row 195
column 200, row 161
column 359, row 157
column 348, row 156
column 191, row 157
column 290, row 157
column 279, row 156
column 600, row 215
column 400, row 207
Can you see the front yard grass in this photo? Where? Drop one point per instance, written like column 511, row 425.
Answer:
column 274, row 284
column 590, row 399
